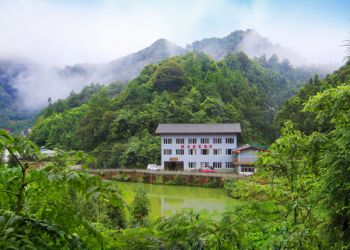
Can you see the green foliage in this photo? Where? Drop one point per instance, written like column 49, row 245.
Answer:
column 140, row 208
column 51, row 206
column 248, row 190
column 300, row 200
column 332, row 107
column 72, row 101
column 189, row 231
column 65, row 202
column 178, row 180
column 22, row 232
column 212, row 183
column 57, row 130
column 321, row 110
column 119, row 129
column 312, row 170
column 304, row 120
column 169, row 76
column 136, row 238
column 286, row 160
column 57, row 207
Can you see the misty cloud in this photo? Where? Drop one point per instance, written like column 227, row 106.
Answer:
column 67, row 32
column 54, row 34
column 254, row 46
column 37, row 83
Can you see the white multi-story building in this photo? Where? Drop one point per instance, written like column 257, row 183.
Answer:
column 196, row 146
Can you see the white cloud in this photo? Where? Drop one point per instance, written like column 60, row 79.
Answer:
column 59, row 32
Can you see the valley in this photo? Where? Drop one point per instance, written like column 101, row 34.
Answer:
column 174, row 125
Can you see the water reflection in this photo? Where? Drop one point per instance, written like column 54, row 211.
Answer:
column 168, row 200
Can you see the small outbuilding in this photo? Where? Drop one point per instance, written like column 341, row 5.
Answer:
column 244, row 158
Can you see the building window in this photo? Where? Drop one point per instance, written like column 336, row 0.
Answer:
column 180, row 141
column 192, row 140
column 230, row 140
column 180, row 151
column 205, row 151
column 204, row 140
column 167, row 141
column 167, row 151
column 192, row 151
column 192, row 165
column 217, row 151
column 217, row 164
column 217, row 141
column 229, row 164
column 228, row 151
column 247, row 169
column 204, row 164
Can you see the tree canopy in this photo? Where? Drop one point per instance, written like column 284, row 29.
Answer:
column 117, row 127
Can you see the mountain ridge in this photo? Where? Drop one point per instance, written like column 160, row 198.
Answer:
column 34, row 84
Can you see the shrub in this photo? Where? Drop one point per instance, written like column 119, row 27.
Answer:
column 140, row 208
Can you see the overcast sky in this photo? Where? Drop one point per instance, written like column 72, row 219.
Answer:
column 67, row 31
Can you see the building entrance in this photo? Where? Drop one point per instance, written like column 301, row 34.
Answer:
column 174, row 165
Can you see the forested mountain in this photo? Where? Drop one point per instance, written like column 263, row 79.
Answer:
column 293, row 108
column 250, row 42
column 127, row 67
column 34, row 84
column 192, row 88
column 123, row 69
column 130, row 66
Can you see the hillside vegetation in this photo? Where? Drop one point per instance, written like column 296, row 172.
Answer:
column 118, row 128
column 26, row 86
column 292, row 109
column 298, row 199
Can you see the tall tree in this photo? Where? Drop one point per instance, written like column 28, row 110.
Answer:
column 333, row 106
column 140, row 208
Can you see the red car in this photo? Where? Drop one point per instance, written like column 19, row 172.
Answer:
column 206, row 171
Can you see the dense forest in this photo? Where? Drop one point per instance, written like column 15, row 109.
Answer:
column 299, row 198
column 292, row 109
column 25, row 86
column 116, row 123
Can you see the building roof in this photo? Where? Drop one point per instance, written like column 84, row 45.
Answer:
column 247, row 147
column 183, row 128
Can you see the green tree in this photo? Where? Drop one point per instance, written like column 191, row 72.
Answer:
column 286, row 159
column 54, row 206
column 140, row 208
column 18, row 229
column 169, row 76
column 333, row 106
column 89, row 130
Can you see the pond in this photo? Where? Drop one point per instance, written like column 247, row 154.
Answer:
column 166, row 200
